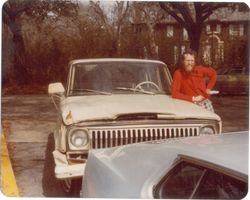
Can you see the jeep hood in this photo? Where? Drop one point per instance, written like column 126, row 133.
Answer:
column 109, row 107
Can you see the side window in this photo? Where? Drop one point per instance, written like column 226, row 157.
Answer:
column 216, row 185
column 181, row 182
column 187, row 180
column 234, row 71
column 246, row 71
column 222, row 71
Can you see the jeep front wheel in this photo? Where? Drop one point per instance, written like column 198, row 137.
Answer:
column 72, row 187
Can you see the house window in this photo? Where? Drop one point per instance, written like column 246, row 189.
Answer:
column 185, row 34
column 218, row 28
column 236, row 30
column 170, row 31
column 241, row 27
column 183, row 48
column 137, row 29
column 176, row 55
column 208, row 28
column 207, row 54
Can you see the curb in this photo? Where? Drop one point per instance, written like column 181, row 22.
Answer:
column 8, row 181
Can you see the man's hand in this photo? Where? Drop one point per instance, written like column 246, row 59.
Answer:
column 211, row 92
column 198, row 98
column 208, row 91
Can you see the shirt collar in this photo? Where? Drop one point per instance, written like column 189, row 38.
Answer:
column 191, row 73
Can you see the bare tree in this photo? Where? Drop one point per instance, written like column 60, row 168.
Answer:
column 112, row 21
column 13, row 10
column 48, row 47
column 192, row 15
column 149, row 13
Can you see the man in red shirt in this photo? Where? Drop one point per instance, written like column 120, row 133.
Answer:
column 189, row 81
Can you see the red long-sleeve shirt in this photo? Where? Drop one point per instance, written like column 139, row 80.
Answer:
column 186, row 85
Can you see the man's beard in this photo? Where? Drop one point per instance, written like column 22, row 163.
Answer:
column 189, row 68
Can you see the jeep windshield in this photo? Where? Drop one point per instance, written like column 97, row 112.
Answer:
column 119, row 77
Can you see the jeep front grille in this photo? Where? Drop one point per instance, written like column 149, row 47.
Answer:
column 111, row 137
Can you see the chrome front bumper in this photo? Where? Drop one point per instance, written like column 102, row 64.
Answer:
column 63, row 170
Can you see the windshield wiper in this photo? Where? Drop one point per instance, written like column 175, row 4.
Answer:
column 134, row 90
column 89, row 90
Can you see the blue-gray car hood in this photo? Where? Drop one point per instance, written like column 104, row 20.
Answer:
column 131, row 171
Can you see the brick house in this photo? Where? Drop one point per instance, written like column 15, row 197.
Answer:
column 224, row 40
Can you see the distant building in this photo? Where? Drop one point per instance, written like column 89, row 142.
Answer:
column 224, row 40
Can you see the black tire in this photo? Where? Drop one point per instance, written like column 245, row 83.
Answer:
column 72, row 187
column 51, row 185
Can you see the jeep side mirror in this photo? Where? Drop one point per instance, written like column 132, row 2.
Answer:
column 56, row 90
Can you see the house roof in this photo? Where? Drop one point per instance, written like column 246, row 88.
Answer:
column 227, row 15
column 223, row 15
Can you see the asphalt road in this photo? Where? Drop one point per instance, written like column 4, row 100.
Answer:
column 28, row 121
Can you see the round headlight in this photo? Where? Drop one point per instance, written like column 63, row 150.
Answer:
column 79, row 138
column 207, row 131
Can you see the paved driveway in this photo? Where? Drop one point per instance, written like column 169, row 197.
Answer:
column 234, row 112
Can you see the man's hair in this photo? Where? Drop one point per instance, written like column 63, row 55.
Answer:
column 182, row 57
column 187, row 52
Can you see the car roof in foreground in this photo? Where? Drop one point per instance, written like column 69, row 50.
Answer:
column 229, row 150
column 143, row 165
column 114, row 60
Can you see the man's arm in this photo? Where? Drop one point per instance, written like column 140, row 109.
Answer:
column 212, row 75
column 176, row 88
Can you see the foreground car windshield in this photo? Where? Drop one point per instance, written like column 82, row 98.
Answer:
column 104, row 78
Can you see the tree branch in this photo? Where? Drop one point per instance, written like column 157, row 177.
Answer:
column 172, row 13
column 121, row 17
column 184, row 11
column 97, row 9
column 208, row 9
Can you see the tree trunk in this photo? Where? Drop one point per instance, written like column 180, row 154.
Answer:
column 195, row 35
column 153, row 54
column 118, row 48
column 18, row 50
